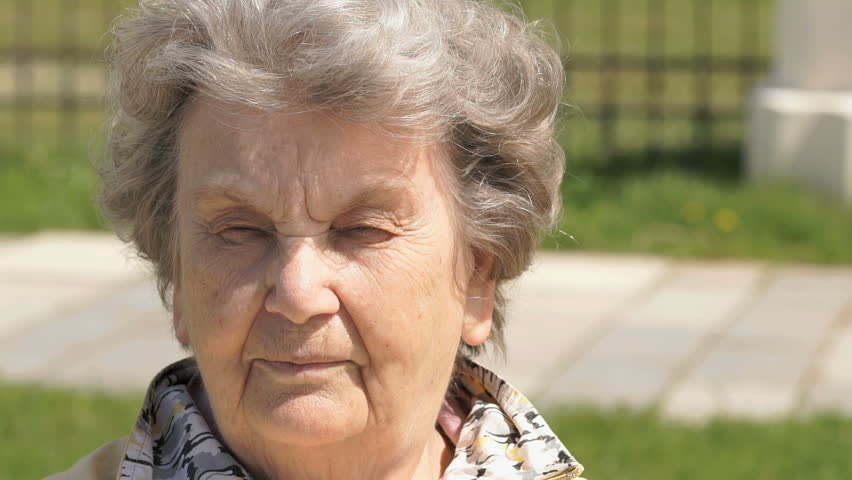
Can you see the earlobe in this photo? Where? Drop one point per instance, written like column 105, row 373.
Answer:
column 479, row 308
column 178, row 319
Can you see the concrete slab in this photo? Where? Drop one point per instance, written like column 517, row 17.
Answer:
column 50, row 274
column 80, row 258
column 608, row 383
column 50, row 346
column 644, row 352
column 128, row 364
column 799, row 304
column 770, row 348
column 557, row 273
column 836, row 365
column 560, row 304
column 26, row 303
column 696, row 401
column 730, row 379
column 832, row 388
column 541, row 333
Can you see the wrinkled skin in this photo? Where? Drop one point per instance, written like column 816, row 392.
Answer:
column 322, row 286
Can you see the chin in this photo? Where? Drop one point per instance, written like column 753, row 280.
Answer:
column 307, row 418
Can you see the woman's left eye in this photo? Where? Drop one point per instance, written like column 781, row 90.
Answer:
column 364, row 234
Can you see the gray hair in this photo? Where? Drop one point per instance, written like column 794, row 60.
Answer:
column 463, row 72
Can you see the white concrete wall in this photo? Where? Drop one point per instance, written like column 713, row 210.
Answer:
column 801, row 116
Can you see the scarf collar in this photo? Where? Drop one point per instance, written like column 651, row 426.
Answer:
column 502, row 437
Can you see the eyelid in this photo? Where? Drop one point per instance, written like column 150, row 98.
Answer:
column 237, row 219
column 371, row 217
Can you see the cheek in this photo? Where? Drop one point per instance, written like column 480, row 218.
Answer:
column 222, row 293
column 404, row 302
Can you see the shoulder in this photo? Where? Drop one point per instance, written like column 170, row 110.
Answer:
column 102, row 464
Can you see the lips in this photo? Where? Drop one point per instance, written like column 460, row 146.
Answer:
column 303, row 366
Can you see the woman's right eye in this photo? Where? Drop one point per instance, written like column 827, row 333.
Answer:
column 241, row 234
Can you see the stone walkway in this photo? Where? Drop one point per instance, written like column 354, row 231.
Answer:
column 696, row 339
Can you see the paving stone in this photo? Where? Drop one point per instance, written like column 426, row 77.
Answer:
column 730, row 378
column 46, row 275
column 698, row 296
column 836, row 365
column 609, row 384
column 775, row 363
column 557, row 305
column 832, row 390
column 768, row 349
column 655, row 338
column 798, row 305
column 128, row 364
column 79, row 330
column 830, row 398
column 558, row 273
column 698, row 401
column 69, row 257
column 26, row 303
column 542, row 331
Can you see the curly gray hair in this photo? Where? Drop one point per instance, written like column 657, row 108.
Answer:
column 463, row 72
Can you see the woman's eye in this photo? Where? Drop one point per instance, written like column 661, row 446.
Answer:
column 364, row 234
column 241, row 234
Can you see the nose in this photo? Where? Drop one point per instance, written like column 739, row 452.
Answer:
column 300, row 282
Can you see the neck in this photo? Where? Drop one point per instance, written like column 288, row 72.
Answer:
column 356, row 459
column 359, row 460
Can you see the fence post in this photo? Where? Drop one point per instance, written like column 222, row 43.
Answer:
column 801, row 116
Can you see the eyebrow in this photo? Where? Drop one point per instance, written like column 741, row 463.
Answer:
column 382, row 191
column 376, row 193
column 210, row 193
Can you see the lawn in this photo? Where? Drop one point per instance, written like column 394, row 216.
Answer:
column 43, row 431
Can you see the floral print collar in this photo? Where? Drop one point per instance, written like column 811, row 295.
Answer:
column 502, row 437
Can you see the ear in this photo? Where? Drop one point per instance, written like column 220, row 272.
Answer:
column 479, row 307
column 178, row 319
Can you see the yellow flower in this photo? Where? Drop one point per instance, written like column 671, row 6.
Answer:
column 726, row 220
column 694, row 212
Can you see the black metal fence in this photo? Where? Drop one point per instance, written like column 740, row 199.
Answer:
column 645, row 77
column 674, row 77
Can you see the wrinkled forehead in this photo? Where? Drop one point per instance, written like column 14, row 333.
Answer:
column 286, row 154
column 320, row 138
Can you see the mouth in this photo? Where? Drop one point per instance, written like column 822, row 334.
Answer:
column 303, row 368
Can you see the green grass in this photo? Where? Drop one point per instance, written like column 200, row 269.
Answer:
column 47, row 192
column 43, row 431
column 641, row 446
column 47, row 178
column 681, row 214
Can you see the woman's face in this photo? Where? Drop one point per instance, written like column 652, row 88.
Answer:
column 318, row 283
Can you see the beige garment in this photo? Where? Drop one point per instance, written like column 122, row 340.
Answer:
column 102, row 464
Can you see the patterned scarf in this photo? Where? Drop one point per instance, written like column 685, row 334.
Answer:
column 502, row 436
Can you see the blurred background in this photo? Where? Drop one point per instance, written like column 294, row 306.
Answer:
column 667, row 136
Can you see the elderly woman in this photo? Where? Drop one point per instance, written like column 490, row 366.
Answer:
column 331, row 194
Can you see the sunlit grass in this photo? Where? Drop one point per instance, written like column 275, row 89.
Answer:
column 643, row 446
column 685, row 214
column 44, row 431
